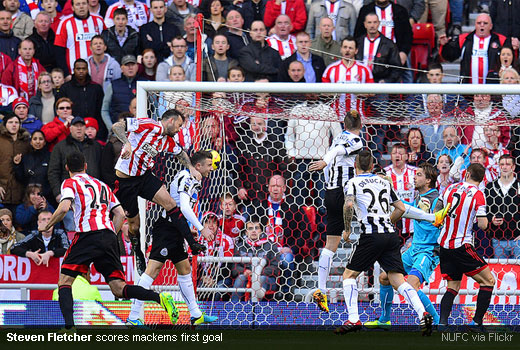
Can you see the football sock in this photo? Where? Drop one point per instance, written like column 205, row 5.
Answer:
column 428, row 306
column 387, row 297
column 66, row 305
column 447, row 304
column 350, row 292
column 324, row 268
column 417, row 214
column 188, row 294
column 483, row 300
column 138, row 292
column 410, row 294
column 145, row 281
column 175, row 216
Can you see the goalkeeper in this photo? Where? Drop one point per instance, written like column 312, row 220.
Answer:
column 168, row 239
column 421, row 258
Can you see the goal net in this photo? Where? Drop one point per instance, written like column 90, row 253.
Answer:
column 267, row 135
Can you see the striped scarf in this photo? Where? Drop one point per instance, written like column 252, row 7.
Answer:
column 27, row 84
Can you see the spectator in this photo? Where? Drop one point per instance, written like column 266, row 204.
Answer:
column 231, row 221
column 58, row 129
column 218, row 65
column 492, row 145
column 23, row 72
column 121, row 91
column 137, row 12
column 257, row 58
column 7, row 96
column 158, row 33
column 121, row 39
column 40, row 246
column 452, row 104
column 190, row 28
column 110, row 155
column 178, row 47
column 148, row 65
column 92, row 129
column 262, row 155
column 23, row 24
column 452, row 145
column 50, row 8
column 506, row 60
column 34, row 165
column 14, row 144
column 74, row 34
column 482, row 113
column 43, row 38
column 76, row 141
column 28, row 121
column 504, row 16
column 314, row 65
column 8, row 42
column 253, row 10
column 444, row 163
column 98, row 7
column 341, row 12
column 58, row 78
column 33, row 203
column 102, row 68
column 295, row 10
column 87, row 96
column 8, row 235
column 402, row 175
column 378, row 53
column 396, row 27
column 417, row 151
column 484, row 57
column 281, row 40
column 125, row 246
column 42, row 105
column 178, row 11
column 237, row 38
column 254, row 244
column 477, row 155
column 436, row 10
column 217, row 20
column 503, row 211
column 510, row 102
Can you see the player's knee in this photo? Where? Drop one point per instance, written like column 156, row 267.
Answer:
column 491, row 280
column 383, row 279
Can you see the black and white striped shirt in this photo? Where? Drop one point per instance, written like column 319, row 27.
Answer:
column 341, row 158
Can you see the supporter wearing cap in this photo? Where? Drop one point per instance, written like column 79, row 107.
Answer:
column 28, row 121
column 91, row 129
column 120, row 92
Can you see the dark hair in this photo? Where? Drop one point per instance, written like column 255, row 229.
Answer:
column 39, row 131
column 124, row 116
column 435, row 65
column 27, row 40
column 476, row 172
column 420, row 133
column 28, row 190
column 352, row 120
column 254, row 219
column 506, row 156
column 364, row 160
column 236, row 68
column 378, row 170
column 98, row 36
column 178, row 37
column 163, row 1
column 371, row 14
column 430, row 172
column 349, row 38
column 44, row 211
column 399, row 145
column 445, row 155
column 120, row 11
column 480, row 150
column 172, row 113
column 79, row 60
column 199, row 156
column 75, row 162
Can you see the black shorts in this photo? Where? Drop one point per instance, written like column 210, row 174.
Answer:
column 98, row 247
column 128, row 189
column 463, row 260
column 167, row 242
column 334, row 200
column 383, row 248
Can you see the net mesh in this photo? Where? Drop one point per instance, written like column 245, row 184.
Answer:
column 261, row 135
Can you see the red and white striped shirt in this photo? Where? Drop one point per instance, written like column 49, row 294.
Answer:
column 75, row 34
column 92, row 202
column 404, row 186
column 147, row 140
column 138, row 14
column 284, row 47
column 386, row 22
column 479, row 59
column 338, row 72
column 7, row 95
column 467, row 203
column 369, row 50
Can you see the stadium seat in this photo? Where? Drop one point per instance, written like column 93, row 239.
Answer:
column 422, row 45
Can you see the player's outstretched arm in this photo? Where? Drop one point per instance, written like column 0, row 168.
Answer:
column 348, row 213
column 119, row 130
column 398, row 211
column 59, row 214
column 185, row 160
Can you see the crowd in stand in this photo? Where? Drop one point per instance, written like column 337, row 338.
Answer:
column 69, row 70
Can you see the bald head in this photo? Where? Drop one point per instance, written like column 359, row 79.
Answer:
column 282, row 26
column 483, row 25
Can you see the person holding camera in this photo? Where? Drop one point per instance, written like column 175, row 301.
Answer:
column 34, row 202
